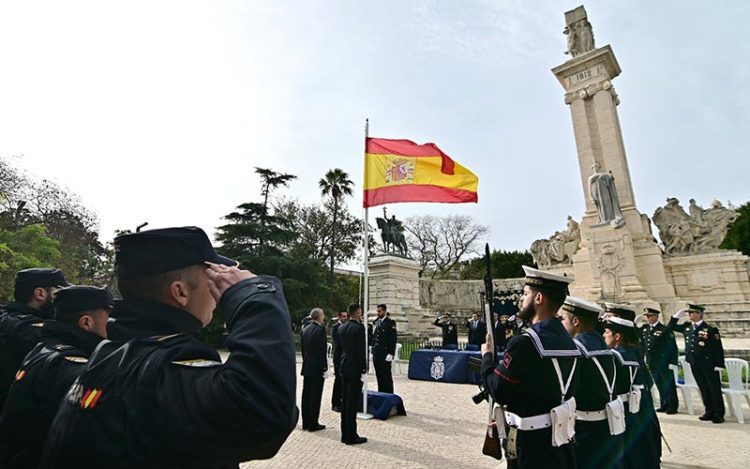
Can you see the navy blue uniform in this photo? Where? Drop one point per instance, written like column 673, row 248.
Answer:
column 450, row 333
column 353, row 366
column 384, row 344
column 314, row 364
column 164, row 399
column 660, row 351
column 337, row 381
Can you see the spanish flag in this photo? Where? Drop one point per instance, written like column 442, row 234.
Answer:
column 404, row 171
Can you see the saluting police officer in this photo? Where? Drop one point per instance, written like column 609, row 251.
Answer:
column 450, row 331
column 660, row 348
column 704, row 352
column 537, row 374
column 20, row 325
column 383, row 349
column 163, row 398
column 81, row 314
column 598, row 444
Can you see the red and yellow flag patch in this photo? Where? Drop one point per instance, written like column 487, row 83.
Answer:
column 20, row 374
column 90, row 398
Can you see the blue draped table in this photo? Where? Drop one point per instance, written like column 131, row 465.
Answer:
column 380, row 404
column 446, row 366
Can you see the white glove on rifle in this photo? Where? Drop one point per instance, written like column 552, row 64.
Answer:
column 326, row 374
column 362, row 378
column 716, row 368
column 680, row 314
column 672, row 367
column 389, row 358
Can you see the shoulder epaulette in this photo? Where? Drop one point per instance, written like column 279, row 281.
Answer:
column 197, row 363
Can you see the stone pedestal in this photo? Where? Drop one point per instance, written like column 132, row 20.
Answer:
column 710, row 278
column 394, row 281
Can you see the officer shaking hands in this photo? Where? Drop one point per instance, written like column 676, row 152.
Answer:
column 159, row 397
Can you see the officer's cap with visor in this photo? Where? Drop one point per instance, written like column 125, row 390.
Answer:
column 43, row 278
column 696, row 308
column 651, row 312
column 82, row 298
column 620, row 311
column 162, row 250
column 545, row 281
column 582, row 308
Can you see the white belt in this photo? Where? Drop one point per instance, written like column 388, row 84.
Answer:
column 592, row 415
column 536, row 422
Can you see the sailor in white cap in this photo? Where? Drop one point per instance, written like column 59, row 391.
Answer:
column 536, row 378
column 642, row 447
column 600, row 417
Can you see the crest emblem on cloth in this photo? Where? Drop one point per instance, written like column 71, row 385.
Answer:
column 399, row 171
column 437, row 369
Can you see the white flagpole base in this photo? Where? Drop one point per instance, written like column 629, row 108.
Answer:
column 364, row 416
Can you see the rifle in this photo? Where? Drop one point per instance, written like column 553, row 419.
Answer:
column 492, row 446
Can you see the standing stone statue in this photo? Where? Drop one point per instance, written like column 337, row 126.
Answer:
column 579, row 31
column 603, row 193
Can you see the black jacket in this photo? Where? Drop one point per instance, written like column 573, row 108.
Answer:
column 336, row 346
column 450, row 332
column 703, row 346
column 164, row 399
column 384, row 338
column 41, row 383
column 314, row 350
column 353, row 357
column 659, row 347
column 478, row 334
column 20, row 331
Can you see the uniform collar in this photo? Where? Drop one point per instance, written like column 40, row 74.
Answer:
column 657, row 323
column 698, row 324
column 86, row 342
column 135, row 319
column 22, row 308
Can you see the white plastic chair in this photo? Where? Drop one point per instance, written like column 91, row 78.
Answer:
column 397, row 358
column 689, row 384
column 737, row 388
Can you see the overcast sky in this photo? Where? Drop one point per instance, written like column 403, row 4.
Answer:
column 158, row 111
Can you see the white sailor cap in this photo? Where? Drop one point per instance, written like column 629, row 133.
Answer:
column 545, row 280
column 618, row 324
column 581, row 307
column 620, row 310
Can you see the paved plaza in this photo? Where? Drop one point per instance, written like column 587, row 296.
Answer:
column 443, row 429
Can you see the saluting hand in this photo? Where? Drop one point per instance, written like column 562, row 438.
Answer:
column 680, row 314
column 221, row 277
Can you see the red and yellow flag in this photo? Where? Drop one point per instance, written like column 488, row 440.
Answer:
column 404, row 171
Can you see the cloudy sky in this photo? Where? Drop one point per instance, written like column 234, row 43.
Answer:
column 158, row 111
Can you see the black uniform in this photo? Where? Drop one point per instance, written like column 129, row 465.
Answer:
column 595, row 447
column 642, row 447
column 164, row 399
column 20, row 331
column 527, row 384
column 502, row 332
column 477, row 331
column 660, row 351
column 384, row 344
column 450, row 333
column 314, row 364
column 353, row 366
column 41, row 383
column 704, row 352
column 337, row 381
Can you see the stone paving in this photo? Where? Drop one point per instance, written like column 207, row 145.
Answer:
column 443, row 429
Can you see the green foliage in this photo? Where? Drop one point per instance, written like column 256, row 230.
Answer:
column 505, row 264
column 27, row 247
column 738, row 236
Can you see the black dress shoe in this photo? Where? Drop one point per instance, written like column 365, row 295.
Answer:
column 317, row 428
column 336, row 408
column 671, row 411
column 357, row 441
column 661, row 410
column 705, row 417
column 718, row 420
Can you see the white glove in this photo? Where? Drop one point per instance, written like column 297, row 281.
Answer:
column 716, row 368
column 389, row 358
column 326, row 375
column 680, row 314
column 362, row 378
column 672, row 367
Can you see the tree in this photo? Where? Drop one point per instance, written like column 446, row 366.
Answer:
column 440, row 243
column 504, row 264
column 270, row 180
column 21, row 249
column 336, row 184
column 738, row 236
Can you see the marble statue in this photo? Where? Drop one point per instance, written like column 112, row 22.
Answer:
column 579, row 31
column 700, row 231
column 603, row 193
column 558, row 248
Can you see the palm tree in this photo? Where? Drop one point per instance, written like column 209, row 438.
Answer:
column 337, row 184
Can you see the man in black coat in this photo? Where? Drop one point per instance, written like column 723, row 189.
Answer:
column 353, row 367
column 660, row 351
column 449, row 329
column 337, row 381
column 156, row 396
column 477, row 329
column 384, row 348
column 80, row 323
column 705, row 353
column 314, row 369
column 21, row 323
column 502, row 331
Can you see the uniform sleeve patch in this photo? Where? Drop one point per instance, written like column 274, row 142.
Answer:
column 197, row 363
column 507, row 359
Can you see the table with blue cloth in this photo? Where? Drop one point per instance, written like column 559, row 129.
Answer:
column 382, row 404
column 445, row 366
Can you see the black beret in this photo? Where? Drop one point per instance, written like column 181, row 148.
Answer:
column 156, row 251
column 40, row 278
column 80, row 298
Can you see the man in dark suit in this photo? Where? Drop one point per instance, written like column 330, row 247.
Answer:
column 383, row 349
column 337, row 381
column 314, row 369
column 477, row 330
column 450, row 331
column 704, row 352
column 353, row 366
column 660, row 350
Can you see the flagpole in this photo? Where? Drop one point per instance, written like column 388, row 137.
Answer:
column 366, row 292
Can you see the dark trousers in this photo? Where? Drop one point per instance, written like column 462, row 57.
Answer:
column 312, row 391
column 338, row 384
column 349, row 405
column 664, row 380
column 384, row 375
column 709, row 383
